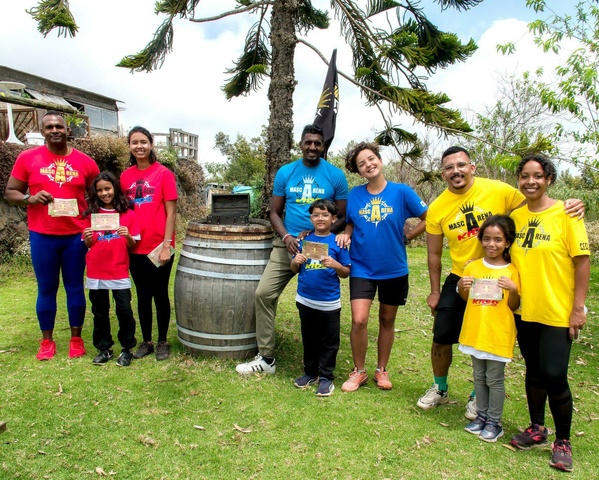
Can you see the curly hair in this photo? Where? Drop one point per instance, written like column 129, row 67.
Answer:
column 547, row 165
column 352, row 155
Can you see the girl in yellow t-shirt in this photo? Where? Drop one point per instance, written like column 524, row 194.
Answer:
column 490, row 288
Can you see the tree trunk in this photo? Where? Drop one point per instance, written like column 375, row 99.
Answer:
column 280, row 93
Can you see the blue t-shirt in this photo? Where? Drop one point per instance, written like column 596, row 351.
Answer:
column 301, row 186
column 317, row 282
column 377, row 251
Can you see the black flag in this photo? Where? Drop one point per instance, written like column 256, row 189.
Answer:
column 326, row 112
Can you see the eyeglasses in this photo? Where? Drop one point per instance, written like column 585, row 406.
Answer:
column 460, row 166
column 324, row 216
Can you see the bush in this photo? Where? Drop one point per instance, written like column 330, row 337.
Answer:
column 110, row 153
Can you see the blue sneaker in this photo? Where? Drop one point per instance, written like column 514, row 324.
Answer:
column 325, row 388
column 304, row 382
column 492, row 431
column 476, row 425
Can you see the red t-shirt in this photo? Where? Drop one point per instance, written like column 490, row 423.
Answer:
column 65, row 177
column 108, row 256
column 149, row 189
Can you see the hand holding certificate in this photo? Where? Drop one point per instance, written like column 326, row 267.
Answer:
column 63, row 207
column 315, row 250
column 105, row 221
column 155, row 254
column 486, row 289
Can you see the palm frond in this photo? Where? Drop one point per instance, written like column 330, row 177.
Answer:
column 183, row 8
column 309, row 17
column 458, row 4
column 377, row 6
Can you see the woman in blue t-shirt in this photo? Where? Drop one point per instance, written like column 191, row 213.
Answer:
column 376, row 215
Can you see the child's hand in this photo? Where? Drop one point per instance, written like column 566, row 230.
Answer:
column 507, row 284
column 299, row 259
column 343, row 240
column 329, row 262
column 123, row 231
column 466, row 282
column 88, row 233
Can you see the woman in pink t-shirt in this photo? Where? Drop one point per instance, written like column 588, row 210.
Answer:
column 152, row 189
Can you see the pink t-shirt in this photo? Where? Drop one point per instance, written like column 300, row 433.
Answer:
column 65, row 177
column 108, row 256
column 149, row 189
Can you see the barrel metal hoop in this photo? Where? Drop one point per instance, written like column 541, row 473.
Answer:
column 227, row 276
column 229, row 246
column 216, row 336
column 213, row 348
column 223, row 261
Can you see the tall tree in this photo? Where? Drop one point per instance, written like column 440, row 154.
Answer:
column 393, row 43
column 576, row 91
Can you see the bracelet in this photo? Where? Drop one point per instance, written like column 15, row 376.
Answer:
column 167, row 240
column 285, row 237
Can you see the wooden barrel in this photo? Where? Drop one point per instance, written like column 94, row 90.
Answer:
column 217, row 275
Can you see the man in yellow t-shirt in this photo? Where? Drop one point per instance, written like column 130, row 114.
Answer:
column 457, row 214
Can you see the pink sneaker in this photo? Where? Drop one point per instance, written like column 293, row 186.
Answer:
column 76, row 347
column 47, row 350
column 381, row 378
column 356, row 380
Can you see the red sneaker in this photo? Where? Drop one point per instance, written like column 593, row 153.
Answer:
column 47, row 350
column 381, row 378
column 76, row 347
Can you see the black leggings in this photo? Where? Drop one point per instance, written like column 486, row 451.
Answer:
column 546, row 352
column 151, row 282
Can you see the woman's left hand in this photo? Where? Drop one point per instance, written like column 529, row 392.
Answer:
column 577, row 321
column 165, row 254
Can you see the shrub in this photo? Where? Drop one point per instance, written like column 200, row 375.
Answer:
column 110, row 153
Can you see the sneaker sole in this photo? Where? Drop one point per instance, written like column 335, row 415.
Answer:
column 428, row 406
column 561, row 466
column 525, row 448
column 328, row 394
column 473, row 432
column 491, row 440
column 383, row 387
column 352, row 388
column 307, row 385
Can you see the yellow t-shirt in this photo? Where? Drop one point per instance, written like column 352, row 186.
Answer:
column 489, row 325
column 459, row 216
column 545, row 244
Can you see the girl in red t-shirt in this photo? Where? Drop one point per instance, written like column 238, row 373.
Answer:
column 108, row 265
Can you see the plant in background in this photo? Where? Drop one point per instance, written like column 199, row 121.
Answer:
column 72, row 119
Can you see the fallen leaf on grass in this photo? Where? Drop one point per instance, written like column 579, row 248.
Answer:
column 146, row 440
column 508, row 446
column 199, row 427
column 123, row 390
column 444, row 424
column 100, row 471
column 242, row 430
column 579, row 434
column 59, row 389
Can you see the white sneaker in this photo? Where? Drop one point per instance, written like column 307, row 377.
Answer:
column 257, row 365
column 432, row 398
column 471, row 410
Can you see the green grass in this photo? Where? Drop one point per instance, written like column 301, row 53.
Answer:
column 67, row 419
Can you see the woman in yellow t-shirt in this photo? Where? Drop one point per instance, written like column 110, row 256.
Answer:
column 552, row 254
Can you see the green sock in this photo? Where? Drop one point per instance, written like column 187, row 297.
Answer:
column 441, row 383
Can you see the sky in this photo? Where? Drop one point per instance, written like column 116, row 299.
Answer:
column 186, row 92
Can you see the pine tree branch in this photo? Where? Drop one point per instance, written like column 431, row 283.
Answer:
column 253, row 6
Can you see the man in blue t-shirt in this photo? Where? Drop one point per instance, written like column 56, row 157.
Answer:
column 297, row 185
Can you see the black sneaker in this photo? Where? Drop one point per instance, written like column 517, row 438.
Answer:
column 532, row 437
column 145, row 348
column 102, row 357
column 476, row 425
column 325, row 388
column 561, row 457
column 125, row 358
column 163, row 351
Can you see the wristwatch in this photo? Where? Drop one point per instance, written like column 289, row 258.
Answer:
column 25, row 198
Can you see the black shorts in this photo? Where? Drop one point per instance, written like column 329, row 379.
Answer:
column 392, row 291
column 450, row 313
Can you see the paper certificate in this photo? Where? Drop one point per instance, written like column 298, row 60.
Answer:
column 153, row 255
column 63, row 207
column 105, row 221
column 315, row 250
column 486, row 289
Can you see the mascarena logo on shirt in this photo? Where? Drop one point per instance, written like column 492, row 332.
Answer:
column 307, row 190
column 141, row 192
column 375, row 211
column 60, row 172
column 532, row 235
column 468, row 220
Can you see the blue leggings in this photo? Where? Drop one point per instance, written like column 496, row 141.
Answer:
column 50, row 255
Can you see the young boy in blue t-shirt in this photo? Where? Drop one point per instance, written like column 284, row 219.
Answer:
column 320, row 263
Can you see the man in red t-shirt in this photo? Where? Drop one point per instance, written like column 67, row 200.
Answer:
column 51, row 181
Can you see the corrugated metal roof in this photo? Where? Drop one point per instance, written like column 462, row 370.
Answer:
column 46, row 97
